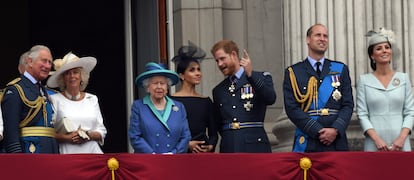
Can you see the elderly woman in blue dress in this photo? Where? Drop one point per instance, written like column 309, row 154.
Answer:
column 385, row 104
column 158, row 124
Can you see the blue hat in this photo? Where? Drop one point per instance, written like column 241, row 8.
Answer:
column 154, row 69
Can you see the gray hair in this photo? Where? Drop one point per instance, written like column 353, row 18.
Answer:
column 23, row 57
column 34, row 51
column 145, row 82
column 23, row 62
column 84, row 80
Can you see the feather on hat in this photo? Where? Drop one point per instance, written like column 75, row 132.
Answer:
column 379, row 36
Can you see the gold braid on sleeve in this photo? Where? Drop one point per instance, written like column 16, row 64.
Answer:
column 311, row 92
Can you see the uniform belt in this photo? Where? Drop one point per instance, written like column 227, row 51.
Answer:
column 323, row 112
column 38, row 131
column 239, row 125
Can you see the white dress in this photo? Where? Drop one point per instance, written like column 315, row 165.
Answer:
column 85, row 113
column 386, row 110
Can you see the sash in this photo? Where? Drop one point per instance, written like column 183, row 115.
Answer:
column 324, row 92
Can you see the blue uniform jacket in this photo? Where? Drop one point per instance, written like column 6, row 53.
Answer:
column 14, row 111
column 148, row 134
column 230, row 106
column 303, row 71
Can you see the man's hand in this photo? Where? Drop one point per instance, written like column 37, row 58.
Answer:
column 246, row 63
column 327, row 135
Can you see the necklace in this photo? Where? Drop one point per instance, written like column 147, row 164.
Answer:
column 73, row 98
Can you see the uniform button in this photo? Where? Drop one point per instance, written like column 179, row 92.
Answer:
column 168, row 135
column 168, row 145
column 234, row 107
column 157, row 135
column 320, row 80
column 233, row 95
column 157, row 145
column 234, row 119
column 221, row 105
column 259, row 139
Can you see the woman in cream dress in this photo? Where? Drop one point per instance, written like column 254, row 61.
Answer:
column 385, row 105
column 78, row 119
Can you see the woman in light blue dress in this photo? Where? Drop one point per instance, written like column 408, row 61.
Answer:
column 385, row 105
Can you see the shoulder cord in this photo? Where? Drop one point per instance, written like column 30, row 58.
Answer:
column 311, row 92
column 35, row 106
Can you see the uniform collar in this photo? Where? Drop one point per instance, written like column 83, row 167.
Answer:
column 30, row 77
column 313, row 61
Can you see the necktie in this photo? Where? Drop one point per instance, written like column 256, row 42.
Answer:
column 233, row 79
column 318, row 70
column 39, row 85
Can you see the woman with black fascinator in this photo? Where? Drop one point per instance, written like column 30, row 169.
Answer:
column 199, row 108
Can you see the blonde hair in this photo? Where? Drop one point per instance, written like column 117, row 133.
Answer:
column 84, row 80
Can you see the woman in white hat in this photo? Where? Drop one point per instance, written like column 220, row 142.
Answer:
column 158, row 124
column 78, row 118
column 385, row 104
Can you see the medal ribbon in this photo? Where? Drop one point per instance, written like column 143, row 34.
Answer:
column 326, row 89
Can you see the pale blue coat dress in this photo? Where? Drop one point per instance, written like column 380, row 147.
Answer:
column 386, row 110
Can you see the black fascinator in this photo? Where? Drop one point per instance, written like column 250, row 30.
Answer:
column 190, row 52
column 187, row 54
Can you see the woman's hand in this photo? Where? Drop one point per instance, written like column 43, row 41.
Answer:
column 198, row 147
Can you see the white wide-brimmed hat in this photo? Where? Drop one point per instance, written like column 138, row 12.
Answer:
column 68, row 62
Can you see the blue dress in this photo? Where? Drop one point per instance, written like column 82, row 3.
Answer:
column 385, row 109
column 153, row 132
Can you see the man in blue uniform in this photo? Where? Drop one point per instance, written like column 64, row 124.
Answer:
column 26, row 109
column 318, row 97
column 241, row 100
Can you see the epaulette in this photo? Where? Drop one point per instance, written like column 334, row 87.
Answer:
column 266, row 73
column 14, row 81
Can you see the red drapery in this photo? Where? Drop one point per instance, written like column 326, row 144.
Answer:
column 328, row 165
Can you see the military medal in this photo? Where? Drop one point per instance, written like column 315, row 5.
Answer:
column 247, row 92
column 243, row 93
column 335, row 81
column 232, row 87
column 250, row 91
column 336, row 95
column 248, row 106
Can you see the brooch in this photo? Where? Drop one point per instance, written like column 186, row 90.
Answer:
column 175, row 108
column 396, row 82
